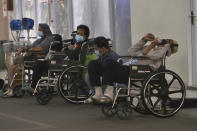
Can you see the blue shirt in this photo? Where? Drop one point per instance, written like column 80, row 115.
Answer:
column 110, row 56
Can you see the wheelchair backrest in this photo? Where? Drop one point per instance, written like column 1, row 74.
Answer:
column 57, row 43
column 86, row 53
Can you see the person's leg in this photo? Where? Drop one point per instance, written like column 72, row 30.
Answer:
column 40, row 68
column 113, row 72
column 18, row 59
column 95, row 73
column 14, row 78
column 87, row 80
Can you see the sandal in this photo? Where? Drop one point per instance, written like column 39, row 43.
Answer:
column 7, row 96
column 106, row 99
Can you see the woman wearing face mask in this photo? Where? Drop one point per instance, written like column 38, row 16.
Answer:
column 41, row 45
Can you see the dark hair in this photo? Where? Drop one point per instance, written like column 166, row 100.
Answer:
column 57, row 44
column 101, row 42
column 45, row 29
column 85, row 28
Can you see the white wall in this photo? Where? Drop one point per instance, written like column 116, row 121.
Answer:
column 166, row 19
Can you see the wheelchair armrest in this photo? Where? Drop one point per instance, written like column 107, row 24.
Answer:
column 58, row 54
column 34, row 55
column 36, row 52
column 140, row 57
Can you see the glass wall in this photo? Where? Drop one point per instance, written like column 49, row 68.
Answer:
column 61, row 11
column 28, row 11
column 95, row 14
column 109, row 18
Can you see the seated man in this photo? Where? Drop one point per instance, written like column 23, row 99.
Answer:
column 96, row 68
column 73, row 51
column 116, row 72
column 41, row 45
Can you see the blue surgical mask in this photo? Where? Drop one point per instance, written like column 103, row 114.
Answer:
column 40, row 33
column 78, row 38
column 97, row 53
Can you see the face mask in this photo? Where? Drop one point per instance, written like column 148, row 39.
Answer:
column 97, row 53
column 40, row 33
column 78, row 38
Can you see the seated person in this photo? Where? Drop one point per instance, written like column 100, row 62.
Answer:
column 41, row 45
column 73, row 51
column 96, row 68
column 118, row 73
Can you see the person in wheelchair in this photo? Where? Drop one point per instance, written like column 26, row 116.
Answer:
column 116, row 72
column 72, row 51
column 97, row 68
column 40, row 45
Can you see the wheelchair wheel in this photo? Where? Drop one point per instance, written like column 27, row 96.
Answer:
column 163, row 93
column 107, row 109
column 124, row 110
column 5, row 88
column 72, row 86
column 18, row 91
column 43, row 97
column 137, row 105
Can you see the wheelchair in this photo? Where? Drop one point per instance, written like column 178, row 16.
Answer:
column 66, row 77
column 160, row 93
column 71, row 83
column 23, row 76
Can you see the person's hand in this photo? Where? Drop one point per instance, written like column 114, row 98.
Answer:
column 70, row 47
column 156, row 41
column 148, row 37
column 18, row 53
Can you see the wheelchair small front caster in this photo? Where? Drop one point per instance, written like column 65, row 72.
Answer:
column 18, row 92
column 43, row 97
column 108, row 111
column 124, row 110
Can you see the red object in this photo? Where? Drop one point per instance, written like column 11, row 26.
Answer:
column 76, row 45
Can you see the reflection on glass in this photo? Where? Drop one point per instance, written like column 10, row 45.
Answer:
column 29, row 12
column 43, row 11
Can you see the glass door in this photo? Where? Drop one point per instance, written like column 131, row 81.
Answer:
column 192, row 46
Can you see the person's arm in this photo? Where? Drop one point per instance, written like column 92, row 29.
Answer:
column 37, row 48
column 136, row 49
column 148, row 48
column 25, row 48
column 45, row 44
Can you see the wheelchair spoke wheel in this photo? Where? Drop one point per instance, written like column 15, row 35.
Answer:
column 163, row 93
column 72, row 86
column 43, row 97
column 107, row 109
column 18, row 91
column 5, row 88
column 124, row 110
column 137, row 105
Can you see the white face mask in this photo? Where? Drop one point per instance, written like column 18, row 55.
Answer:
column 40, row 33
column 97, row 53
column 78, row 38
